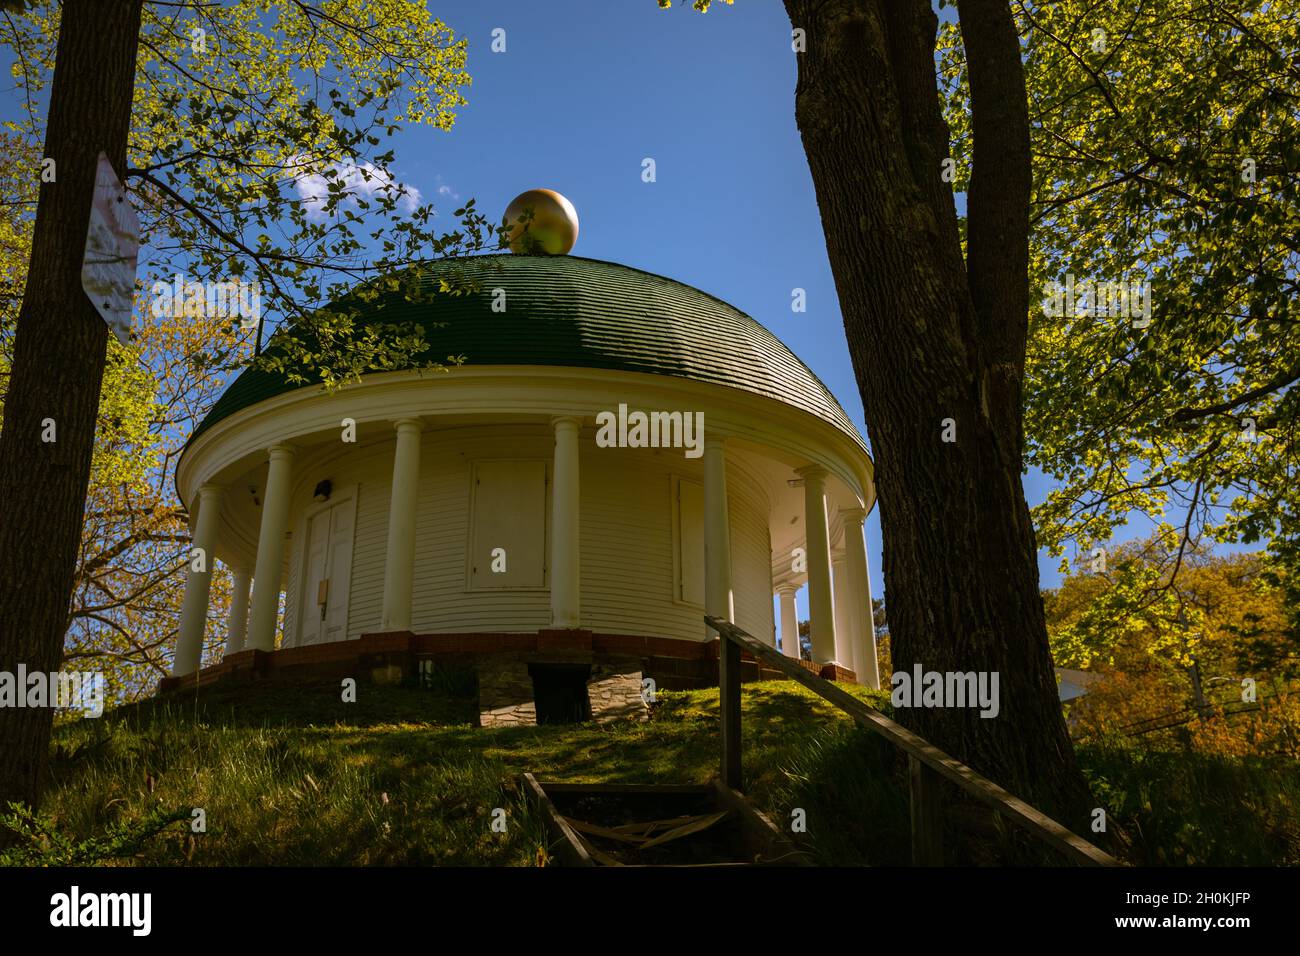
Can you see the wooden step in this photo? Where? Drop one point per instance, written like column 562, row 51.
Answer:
column 658, row 825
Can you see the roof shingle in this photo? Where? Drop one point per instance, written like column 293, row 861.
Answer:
column 585, row 313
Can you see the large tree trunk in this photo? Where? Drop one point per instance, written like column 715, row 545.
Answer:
column 934, row 338
column 58, row 366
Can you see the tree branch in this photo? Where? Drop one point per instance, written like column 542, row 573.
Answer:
column 1001, row 178
column 1289, row 377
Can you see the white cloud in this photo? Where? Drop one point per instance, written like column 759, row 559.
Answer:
column 360, row 181
column 444, row 190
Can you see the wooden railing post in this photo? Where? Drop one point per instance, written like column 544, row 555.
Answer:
column 927, row 814
column 928, row 765
column 729, row 709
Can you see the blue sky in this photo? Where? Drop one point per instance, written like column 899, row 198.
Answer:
column 585, row 91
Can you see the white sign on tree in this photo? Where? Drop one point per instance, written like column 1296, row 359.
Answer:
column 112, row 247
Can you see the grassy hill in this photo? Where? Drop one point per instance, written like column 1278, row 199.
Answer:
column 295, row 776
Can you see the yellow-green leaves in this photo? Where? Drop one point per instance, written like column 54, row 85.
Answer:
column 257, row 144
column 257, row 154
column 1165, row 140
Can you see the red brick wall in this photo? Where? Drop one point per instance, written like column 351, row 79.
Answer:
column 674, row 664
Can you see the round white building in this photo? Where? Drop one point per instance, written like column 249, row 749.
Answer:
column 619, row 455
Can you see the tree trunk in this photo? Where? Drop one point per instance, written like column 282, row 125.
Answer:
column 59, row 354
column 934, row 338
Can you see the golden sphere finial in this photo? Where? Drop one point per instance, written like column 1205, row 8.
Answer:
column 541, row 221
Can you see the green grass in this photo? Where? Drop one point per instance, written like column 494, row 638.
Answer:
column 1179, row 807
column 294, row 776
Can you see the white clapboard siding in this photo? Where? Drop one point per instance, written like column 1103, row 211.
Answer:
column 443, row 601
column 751, row 563
column 627, row 543
column 626, row 538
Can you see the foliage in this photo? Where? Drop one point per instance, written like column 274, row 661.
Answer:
column 1096, row 615
column 1167, row 144
column 254, row 156
column 135, row 536
column 1272, row 729
column 42, row 843
column 403, row 777
column 1227, row 613
column 700, row 6
column 124, row 605
column 1203, row 662
column 1185, row 808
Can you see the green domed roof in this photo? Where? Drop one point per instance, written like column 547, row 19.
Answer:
column 585, row 313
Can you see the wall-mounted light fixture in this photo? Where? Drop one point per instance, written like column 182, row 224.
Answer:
column 322, row 492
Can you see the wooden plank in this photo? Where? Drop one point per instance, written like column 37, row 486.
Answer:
column 927, row 814
column 986, row 791
column 574, row 848
column 648, row 827
column 729, row 709
column 697, row 866
column 696, row 825
column 604, row 859
column 594, row 829
column 764, row 837
column 679, row 828
column 622, row 789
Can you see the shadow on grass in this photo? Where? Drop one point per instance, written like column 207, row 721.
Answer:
column 1181, row 807
column 291, row 775
column 314, row 703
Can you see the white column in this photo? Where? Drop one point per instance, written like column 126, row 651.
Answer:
column 565, row 555
column 270, row 550
column 860, row 619
column 718, row 598
column 843, row 597
column 198, row 583
column 399, row 567
column 821, row 613
column 789, row 621
column 237, row 623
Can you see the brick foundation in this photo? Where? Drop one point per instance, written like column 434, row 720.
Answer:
column 506, row 688
column 393, row 657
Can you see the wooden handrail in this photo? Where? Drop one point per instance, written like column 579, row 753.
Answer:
column 926, row 762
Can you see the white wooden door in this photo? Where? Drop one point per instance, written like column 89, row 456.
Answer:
column 314, row 573
column 342, row 519
column 508, row 547
column 327, row 573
